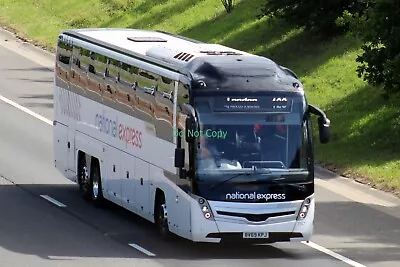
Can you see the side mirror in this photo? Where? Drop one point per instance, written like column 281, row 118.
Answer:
column 291, row 72
column 323, row 124
column 180, row 162
column 324, row 130
column 179, row 157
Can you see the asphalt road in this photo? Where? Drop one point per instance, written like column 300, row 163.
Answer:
column 360, row 225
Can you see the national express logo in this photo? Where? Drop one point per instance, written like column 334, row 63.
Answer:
column 254, row 196
column 112, row 128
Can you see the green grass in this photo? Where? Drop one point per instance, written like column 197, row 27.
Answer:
column 365, row 128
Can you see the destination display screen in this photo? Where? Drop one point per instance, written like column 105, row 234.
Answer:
column 252, row 104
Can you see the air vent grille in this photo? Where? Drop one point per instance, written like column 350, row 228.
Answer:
column 184, row 56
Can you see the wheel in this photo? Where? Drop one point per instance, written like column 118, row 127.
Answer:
column 83, row 178
column 161, row 219
column 95, row 185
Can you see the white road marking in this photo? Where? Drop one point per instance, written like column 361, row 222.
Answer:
column 333, row 254
column 24, row 109
column 143, row 250
column 52, row 200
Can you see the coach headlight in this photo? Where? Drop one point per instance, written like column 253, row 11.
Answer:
column 304, row 209
column 204, row 207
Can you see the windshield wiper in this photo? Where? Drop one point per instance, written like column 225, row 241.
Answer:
column 237, row 175
column 277, row 180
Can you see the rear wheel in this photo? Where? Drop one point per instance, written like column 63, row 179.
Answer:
column 83, row 178
column 161, row 218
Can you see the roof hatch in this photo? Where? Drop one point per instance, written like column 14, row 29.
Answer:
column 146, row 39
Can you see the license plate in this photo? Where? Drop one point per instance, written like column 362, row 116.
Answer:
column 255, row 235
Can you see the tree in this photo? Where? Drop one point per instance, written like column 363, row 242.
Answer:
column 228, row 4
column 315, row 15
column 379, row 28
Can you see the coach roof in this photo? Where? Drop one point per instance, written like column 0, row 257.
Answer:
column 201, row 60
column 170, row 48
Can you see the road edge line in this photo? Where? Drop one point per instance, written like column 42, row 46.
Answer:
column 333, row 254
column 24, row 109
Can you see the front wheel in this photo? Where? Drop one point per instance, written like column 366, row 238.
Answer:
column 161, row 219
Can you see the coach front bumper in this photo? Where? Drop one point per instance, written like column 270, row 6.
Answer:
column 281, row 221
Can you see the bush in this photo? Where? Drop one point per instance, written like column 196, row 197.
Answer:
column 379, row 28
column 315, row 15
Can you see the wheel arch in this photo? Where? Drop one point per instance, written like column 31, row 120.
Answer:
column 159, row 195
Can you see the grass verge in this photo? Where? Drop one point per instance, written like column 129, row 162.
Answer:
column 365, row 127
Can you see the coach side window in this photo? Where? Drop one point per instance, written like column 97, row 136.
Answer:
column 87, row 61
column 99, row 63
column 134, row 71
column 146, row 81
column 182, row 98
column 77, row 74
column 123, row 73
column 164, row 99
column 183, row 95
column 64, row 52
column 167, row 89
column 63, row 68
column 105, row 71
column 76, row 51
column 120, row 77
column 84, row 59
column 111, row 68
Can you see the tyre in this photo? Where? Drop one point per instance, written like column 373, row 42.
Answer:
column 83, row 178
column 161, row 218
column 96, row 189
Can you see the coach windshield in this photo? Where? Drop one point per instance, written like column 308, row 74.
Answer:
column 241, row 135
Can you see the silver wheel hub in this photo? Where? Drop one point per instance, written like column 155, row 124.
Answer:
column 85, row 173
column 95, row 189
column 165, row 213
